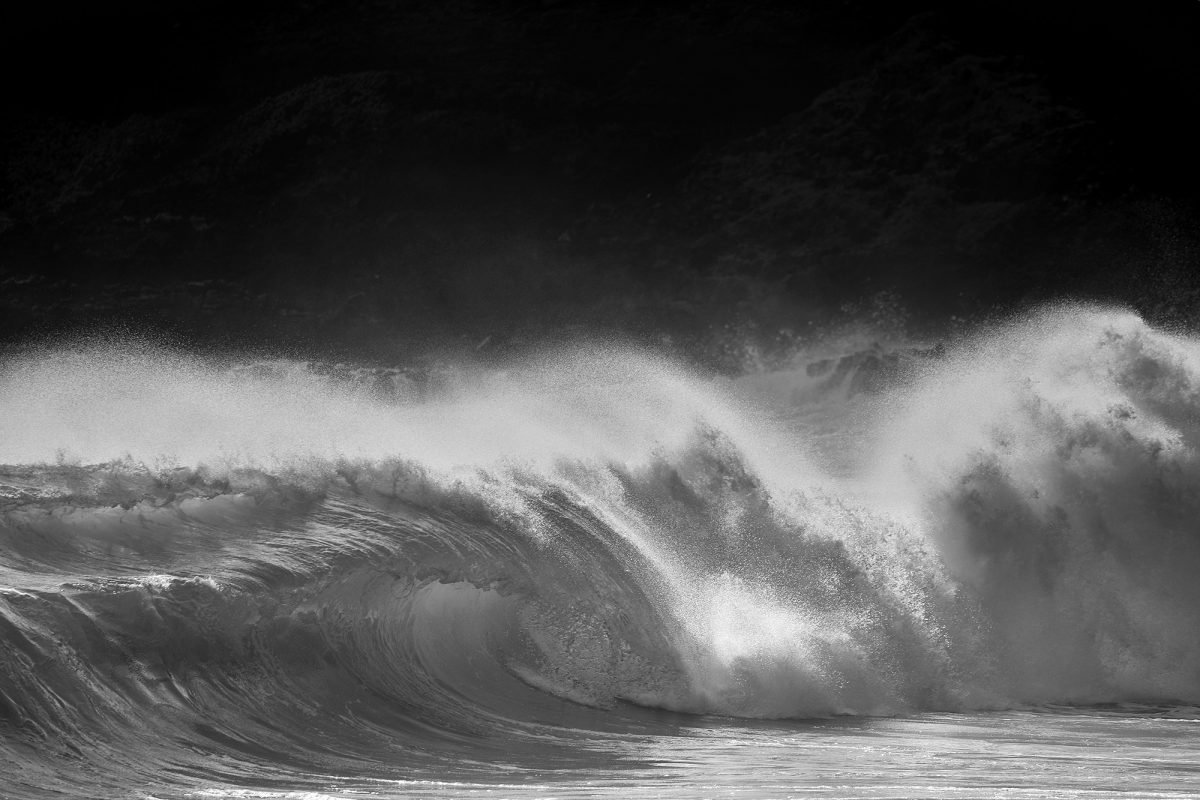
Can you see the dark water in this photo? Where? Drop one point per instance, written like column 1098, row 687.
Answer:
column 881, row 570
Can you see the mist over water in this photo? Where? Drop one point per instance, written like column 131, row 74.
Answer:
column 218, row 569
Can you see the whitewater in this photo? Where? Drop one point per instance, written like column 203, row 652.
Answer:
column 874, row 569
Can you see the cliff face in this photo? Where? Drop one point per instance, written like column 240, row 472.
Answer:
column 358, row 174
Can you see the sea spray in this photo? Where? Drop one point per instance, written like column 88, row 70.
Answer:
column 1053, row 466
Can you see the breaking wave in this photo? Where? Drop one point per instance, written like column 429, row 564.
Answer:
column 296, row 566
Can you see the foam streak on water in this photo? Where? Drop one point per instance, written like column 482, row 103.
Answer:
column 233, row 576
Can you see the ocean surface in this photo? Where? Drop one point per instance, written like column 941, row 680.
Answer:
column 876, row 568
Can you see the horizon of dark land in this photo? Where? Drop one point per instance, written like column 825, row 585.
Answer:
column 381, row 177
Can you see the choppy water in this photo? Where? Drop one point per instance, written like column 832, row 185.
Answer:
column 966, row 571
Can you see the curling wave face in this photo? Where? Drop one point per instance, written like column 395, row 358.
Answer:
column 292, row 568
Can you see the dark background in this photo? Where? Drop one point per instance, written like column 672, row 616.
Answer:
column 380, row 177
